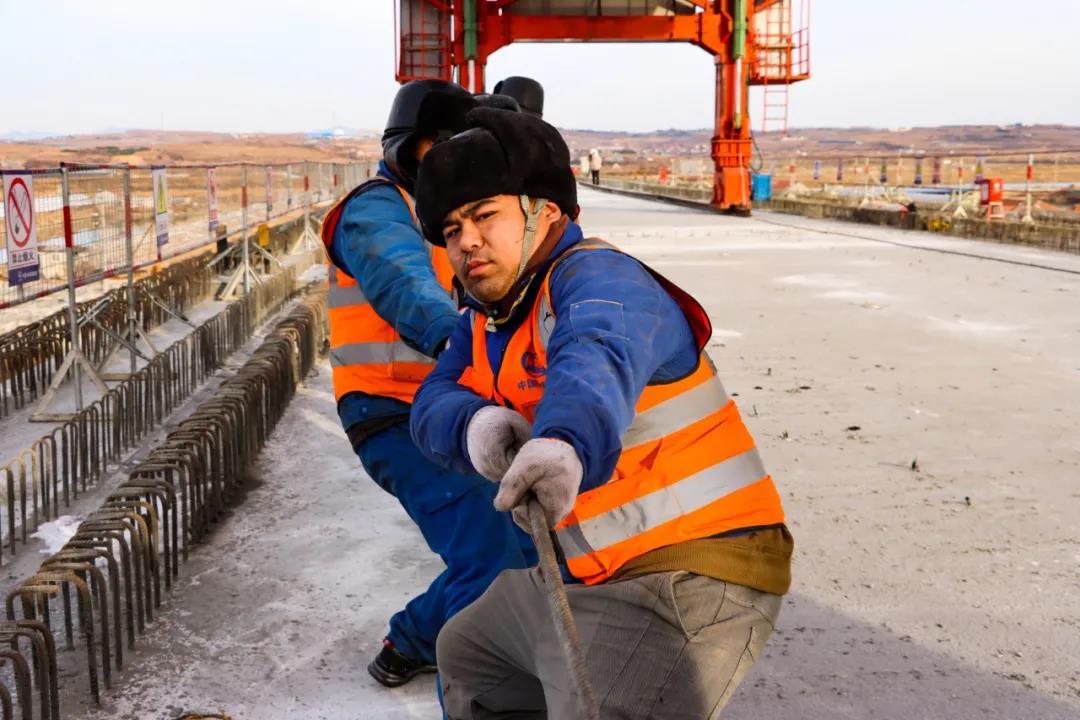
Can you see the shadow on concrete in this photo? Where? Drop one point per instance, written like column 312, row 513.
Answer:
column 823, row 664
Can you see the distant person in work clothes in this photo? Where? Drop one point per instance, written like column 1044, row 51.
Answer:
column 391, row 312
column 579, row 375
column 595, row 162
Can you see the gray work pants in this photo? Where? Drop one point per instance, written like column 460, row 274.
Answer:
column 660, row 646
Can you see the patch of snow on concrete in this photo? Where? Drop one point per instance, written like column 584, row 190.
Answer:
column 826, row 281
column 704, row 262
column 961, row 326
column 56, row 533
column 321, row 421
column 856, row 296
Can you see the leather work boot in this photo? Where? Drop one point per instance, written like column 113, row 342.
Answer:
column 391, row 668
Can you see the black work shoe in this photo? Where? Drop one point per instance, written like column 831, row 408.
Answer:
column 392, row 669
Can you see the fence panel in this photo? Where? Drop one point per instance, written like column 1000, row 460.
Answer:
column 97, row 214
column 49, row 221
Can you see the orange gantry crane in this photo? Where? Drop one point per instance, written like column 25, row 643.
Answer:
column 753, row 42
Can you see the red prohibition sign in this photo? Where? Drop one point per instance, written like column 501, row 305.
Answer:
column 20, row 217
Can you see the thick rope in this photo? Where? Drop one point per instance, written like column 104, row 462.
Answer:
column 560, row 609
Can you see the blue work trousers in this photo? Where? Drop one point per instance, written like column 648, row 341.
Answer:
column 455, row 515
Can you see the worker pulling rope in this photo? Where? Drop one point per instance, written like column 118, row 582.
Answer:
column 577, row 379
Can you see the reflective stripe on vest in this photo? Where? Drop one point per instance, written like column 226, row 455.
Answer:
column 688, row 467
column 366, row 354
column 339, row 296
column 376, row 353
column 675, row 414
column 650, row 511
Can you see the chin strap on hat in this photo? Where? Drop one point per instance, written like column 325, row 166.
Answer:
column 532, row 209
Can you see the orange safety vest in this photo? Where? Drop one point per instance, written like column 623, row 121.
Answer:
column 366, row 354
column 688, row 469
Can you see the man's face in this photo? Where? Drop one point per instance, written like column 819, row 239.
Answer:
column 483, row 241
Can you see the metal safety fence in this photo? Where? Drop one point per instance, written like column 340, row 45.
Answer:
column 31, row 354
column 1038, row 185
column 78, row 453
column 123, row 555
column 1048, row 169
column 113, row 218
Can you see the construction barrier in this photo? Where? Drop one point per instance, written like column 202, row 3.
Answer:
column 114, row 217
column 122, row 555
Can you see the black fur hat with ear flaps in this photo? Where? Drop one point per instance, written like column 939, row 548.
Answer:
column 500, row 153
column 423, row 109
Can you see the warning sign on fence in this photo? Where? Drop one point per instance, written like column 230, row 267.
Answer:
column 211, row 197
column 21, row 229
column 161, row 205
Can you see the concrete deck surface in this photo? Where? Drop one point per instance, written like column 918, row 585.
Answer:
column 919, row 411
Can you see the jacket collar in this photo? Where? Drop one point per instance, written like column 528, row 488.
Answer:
column 384, row 171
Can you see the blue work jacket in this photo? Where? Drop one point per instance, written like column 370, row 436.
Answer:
column 377, row 244
column 616, row 330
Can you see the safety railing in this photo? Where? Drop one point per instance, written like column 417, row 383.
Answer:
column 115, row 217
column 1049, row 169
column 1041, row 184
column 123, row 555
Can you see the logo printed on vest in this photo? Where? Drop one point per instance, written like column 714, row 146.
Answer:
column 530, row 362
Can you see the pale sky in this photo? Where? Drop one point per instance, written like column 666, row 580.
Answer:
column 73, row 66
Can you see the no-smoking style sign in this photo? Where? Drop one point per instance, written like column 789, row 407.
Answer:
column 21, row 229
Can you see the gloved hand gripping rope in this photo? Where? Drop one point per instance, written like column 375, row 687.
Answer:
column 498, row 444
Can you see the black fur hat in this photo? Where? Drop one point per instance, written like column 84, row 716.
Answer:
column 504, row 102
column 500, row 153
column 422, row 109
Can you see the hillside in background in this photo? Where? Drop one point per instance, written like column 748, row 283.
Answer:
column 146, row 147
column 152, row 147
column 856, row 141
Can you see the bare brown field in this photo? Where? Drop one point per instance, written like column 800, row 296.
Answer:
column 141, row 148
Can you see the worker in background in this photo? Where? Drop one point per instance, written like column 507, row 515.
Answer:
column 391, row 311
column 595, row 163
column 528, row 93
column 579, row 375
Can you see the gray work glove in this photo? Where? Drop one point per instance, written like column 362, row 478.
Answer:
column 549, row 468
column 492, row 438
